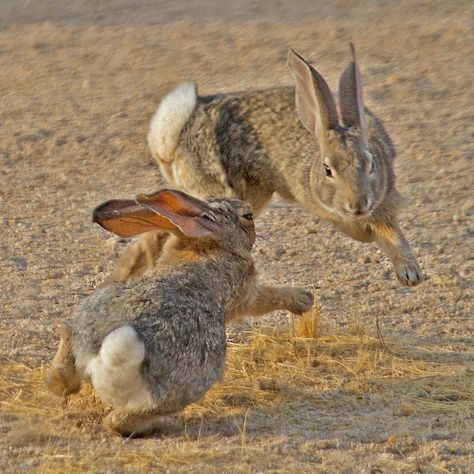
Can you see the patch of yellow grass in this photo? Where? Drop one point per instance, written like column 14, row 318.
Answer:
column 276, row 371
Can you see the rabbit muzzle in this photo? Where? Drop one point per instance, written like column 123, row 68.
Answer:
column 361, row 207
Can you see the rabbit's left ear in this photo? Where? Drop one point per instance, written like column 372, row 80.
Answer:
column 351, row 100
column 314, row 102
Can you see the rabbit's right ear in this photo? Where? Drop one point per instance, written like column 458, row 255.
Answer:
column 351, row 99
column 193, row 217
column 167, row 209
column 126, row 218
column 314, row 102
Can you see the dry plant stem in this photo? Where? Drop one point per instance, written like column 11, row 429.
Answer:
column 380, row 336
column 308, row 325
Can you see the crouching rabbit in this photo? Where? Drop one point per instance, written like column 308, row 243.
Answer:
column 150, row 345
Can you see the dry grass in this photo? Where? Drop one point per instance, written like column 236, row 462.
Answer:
column 274, row 377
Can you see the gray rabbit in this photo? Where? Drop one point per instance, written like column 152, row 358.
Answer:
column 153, row 342
column 249, row 145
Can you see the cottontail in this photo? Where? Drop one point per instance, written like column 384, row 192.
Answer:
column 249, row 145
column 154, row 344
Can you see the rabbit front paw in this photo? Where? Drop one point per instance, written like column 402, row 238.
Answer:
column 302, row 300
column 409, row 273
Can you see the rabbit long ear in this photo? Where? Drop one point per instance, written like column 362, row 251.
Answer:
column 351, row 99
column 314, row 102
column 190, row 215
column 166, row 209
column 126, row 218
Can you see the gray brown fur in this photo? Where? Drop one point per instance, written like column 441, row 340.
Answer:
column 178, row 306
column 250, row 145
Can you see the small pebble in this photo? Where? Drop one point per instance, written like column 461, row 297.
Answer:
column 277, row 252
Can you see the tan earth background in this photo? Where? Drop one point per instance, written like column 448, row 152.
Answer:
column 79, row 81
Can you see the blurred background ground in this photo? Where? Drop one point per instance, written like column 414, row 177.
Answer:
column 79, row 82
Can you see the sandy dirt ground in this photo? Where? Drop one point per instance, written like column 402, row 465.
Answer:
column 79, row 82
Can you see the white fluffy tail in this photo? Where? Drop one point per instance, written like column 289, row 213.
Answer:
column 116, row 371
column 169, row 120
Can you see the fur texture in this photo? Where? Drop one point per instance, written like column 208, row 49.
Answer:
column 249, row 145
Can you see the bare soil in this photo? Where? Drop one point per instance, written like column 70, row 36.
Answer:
column 79, row 81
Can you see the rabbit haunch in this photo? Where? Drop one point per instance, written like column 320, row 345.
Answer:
column 336, row 161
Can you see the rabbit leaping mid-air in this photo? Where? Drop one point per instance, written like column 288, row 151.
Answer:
column 248, row 145
column 151, row 345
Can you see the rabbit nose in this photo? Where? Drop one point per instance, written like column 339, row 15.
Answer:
column 360, row 207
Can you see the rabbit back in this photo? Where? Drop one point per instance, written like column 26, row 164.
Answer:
column 235, row 145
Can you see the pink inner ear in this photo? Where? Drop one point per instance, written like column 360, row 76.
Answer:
column 190, row 226
column 126, row 218
column 305, row 99
column 183, row 210
column 173, row 201
column 167, row 210
column 314, row 101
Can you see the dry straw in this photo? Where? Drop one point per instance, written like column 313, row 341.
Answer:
column 274, row 371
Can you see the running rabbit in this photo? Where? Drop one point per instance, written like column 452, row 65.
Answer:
column 156, row 342
column 249, row 145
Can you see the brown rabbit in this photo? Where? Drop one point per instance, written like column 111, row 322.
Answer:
column 249, row 145
column 152, row 345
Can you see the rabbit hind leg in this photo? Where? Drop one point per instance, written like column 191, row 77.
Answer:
column 134, row 423
column 62, row 378
column 139, row 256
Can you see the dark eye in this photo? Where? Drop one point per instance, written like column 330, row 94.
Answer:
column 328, row 170
column 248, row 216
column 372, row 166
column 208, row 217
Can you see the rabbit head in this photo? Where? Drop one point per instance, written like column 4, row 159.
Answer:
column 347, row 180
column 227, row 223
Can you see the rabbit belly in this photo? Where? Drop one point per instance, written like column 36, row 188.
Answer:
column 115, row 372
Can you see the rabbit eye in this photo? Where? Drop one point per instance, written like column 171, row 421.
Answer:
column 328, row 171
column 208, row 217
column 248, row 216
column 372, row 166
